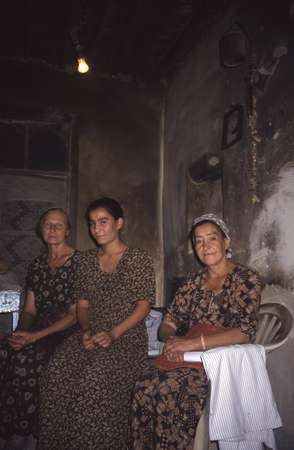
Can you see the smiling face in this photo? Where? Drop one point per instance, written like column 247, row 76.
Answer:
column 54, row 228
column 104, row 227
column 210, row 244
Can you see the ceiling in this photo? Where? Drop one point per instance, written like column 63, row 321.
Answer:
column 131, row 39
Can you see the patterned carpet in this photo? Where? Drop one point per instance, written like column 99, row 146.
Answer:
column 18, row 241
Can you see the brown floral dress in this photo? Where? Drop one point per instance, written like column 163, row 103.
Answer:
column 168, row 404
column 86, row 394
column 20, row 370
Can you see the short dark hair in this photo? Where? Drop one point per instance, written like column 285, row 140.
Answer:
column 43, row 218
column 112, row 206
column 203, row 222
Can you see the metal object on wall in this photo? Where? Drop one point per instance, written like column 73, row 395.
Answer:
column 233, row 47
column 232, row 126
column 207, row 168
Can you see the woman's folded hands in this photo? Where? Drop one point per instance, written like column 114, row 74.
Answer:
column 101, row 339
column 175, row 347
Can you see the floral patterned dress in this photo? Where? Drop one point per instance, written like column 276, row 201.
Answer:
column 86, row 394
column 167, row 405
column 20, row 370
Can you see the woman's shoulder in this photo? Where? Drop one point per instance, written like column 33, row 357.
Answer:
column 196, row 273
column 247, row 274
column 88, row 254
column 192, row 278
column 75, row 256
column 138, row 253
column 39, row 260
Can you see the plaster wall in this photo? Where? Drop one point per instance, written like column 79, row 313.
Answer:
column 117, row 138
column 198, row 97
column 119, row 157
column 195, row 105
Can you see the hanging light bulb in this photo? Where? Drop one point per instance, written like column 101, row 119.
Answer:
column 82, row 65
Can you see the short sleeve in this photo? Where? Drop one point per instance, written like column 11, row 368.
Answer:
column 29, row 278
column 32, row 276
column 178, row 312
column 141, row 275
column 81, row 285
column 247, row 300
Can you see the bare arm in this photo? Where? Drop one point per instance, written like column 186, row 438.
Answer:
column 22, row 336
column 26, row 320
column 165, row 331
column 84, row 321
column 28, row 314
column 65, row 322
column 227, row 337
column 83, row 315
column 141, row 310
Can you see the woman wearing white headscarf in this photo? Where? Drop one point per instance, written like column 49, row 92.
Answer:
column 218, row 305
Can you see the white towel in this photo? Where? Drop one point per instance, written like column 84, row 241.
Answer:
column 192, row 356
column 243, row 411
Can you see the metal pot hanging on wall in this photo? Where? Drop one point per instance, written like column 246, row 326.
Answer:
column 233, row 47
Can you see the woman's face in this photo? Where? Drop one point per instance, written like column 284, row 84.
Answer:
column 104, row 227
column 210, row 244
column 54, row 228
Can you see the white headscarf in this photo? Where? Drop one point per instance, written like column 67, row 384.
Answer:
column 213, row 218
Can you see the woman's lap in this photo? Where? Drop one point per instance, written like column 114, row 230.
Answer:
column 166, row 408
column 20, row 372
column 91, row 389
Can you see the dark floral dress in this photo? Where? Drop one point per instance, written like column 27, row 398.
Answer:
column 86, row 394
column 20, row 370
column 167, row 405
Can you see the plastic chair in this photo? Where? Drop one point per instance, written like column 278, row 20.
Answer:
column 274, row 327
column 275, row 324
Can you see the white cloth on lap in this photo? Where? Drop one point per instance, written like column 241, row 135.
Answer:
column 192, row 356
column 243, row 412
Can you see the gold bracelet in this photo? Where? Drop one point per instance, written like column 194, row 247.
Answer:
column 202, row 342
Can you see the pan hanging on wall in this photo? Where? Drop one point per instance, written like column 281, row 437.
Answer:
column 232, row 126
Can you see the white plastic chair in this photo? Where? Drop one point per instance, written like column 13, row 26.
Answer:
column 274, row 327
column 275, row 324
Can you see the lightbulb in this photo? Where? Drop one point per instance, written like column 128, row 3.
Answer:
column 82, row 65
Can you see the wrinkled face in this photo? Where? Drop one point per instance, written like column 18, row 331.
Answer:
column 54, row 228
column 210, row 244
column 103, row 226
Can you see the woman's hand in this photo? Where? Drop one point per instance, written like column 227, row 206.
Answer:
column 87, row 341
column 20, row 339
column 103, row 339
column 178, row 344
column 175, row 356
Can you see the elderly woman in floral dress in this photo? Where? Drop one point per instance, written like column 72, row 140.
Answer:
column 218, row 305
column 48, row 316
